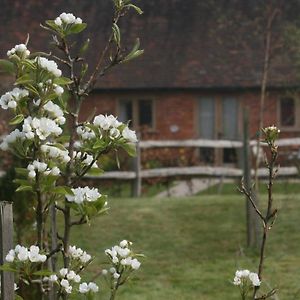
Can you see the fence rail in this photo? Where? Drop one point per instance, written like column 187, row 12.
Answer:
column 204, row 143
column 138, row 174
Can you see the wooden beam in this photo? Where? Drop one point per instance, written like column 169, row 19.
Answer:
column 6, row 243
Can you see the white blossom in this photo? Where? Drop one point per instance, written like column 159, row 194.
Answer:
column 84, row 194
column 10, row 257
column 20, row 50
column 129, row 135
column 85, row 133
column 55, row 112
column 93, row 287
column 83, row 288
column 241, row 277
column 105, row 122
column 85, row 159
column 35, row 256
column 104, row 272
column 58, row 90
column 135, row 264
column 43, row 128
column 53, row 152
column 66, row 285
column 49, row 65
column 10, row 99
column 123, row 243
column 63, row 272
column 11, row 138
column 23, row 254
column 42, row 168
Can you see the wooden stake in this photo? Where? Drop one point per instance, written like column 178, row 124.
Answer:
column 6, row 243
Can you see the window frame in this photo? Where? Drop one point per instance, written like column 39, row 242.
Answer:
column 135, row 110
column 296, row 126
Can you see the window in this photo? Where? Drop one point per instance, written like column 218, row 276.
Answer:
column 287, row 112
column 218, row 119
column 138, row 111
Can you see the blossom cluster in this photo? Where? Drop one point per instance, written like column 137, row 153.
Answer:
column 66, row 278
column 85, row 133
column 82, row 194
column 85, row 159
column 108, row 125
column 20, row 50
column 111, row 125
column 43, row 168
column 49, row 86
column 41, row 127
column 121, row 256
column 78, row 254
column 53, row 152
column 11, row 138
column 10, row 99
column 243, row 276
column 49, row 65
column 67, row 18
column 55, row 112
column 85, row 288
column 271, row 133
column 23, row 254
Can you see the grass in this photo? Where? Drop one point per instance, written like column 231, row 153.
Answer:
column 194, row 245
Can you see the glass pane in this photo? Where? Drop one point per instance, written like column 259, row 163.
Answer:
column 230, row 155
column 207, row 118
column 229, row 118
column 125, row 113
column 145, row 113
column 287, row 112
column 207, row 155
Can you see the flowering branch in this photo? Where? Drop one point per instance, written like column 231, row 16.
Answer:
column 270, row 134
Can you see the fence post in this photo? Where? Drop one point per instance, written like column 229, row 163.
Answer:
column 6, row 243
column 137, row 185
column 250, row 213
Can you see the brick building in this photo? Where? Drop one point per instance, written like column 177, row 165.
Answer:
column 203, row 63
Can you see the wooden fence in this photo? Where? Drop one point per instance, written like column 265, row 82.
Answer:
column 137, row 174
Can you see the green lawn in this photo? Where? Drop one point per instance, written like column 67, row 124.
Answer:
column 194, row 245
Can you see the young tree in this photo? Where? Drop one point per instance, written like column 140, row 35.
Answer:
column 58, row 151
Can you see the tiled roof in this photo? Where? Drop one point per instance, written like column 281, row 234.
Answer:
column 188, row 43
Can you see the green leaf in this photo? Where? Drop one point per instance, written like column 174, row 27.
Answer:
column 76, row 28
column 32, row 89
column 24, row 188
column 20, row 181
column 136, row 8
column 24, row 79
column 21, row 171
column 59, row 146
column 62, row 190
column 116, row 33
column 134, row 53
column 84, row 69
column 53, row 26
column 95, row 172
column 7, row 268
column 43, row 273
column 16, row 120
column 62, row 81
column 84, row 47
column 7, row 67
column 99, row 144
column 18, row 297
column 129, row 148
column 29, row 64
